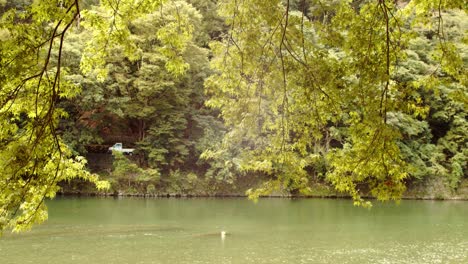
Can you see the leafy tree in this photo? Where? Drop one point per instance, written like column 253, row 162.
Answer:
column 212, row 26
column 164, row 113
column 288, row 79
column 445, row 100
column 127, row 176
column 296, row 82
column 33, row 156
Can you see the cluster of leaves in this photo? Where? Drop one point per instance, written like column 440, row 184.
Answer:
column 300, row 80
column 33, row 157
column 37, row 84
column 436, row 145
column 158, row 106
column 364, row 94
column 126, row 175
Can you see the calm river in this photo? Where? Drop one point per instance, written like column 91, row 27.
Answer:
column 131, row 230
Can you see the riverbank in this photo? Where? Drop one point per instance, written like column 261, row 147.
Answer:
column 430, row 189
column 133, row 181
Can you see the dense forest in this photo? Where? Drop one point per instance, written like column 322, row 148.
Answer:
column 297, row 97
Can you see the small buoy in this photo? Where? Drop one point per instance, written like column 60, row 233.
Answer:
column 223, row 235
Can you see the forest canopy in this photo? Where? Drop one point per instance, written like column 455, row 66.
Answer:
column 362, row 95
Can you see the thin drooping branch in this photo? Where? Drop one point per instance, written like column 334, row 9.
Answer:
column 383, row 100
column 45, row 123
column 285, row 84
column 55, row 90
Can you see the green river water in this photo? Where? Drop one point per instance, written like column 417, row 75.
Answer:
column 133, row 230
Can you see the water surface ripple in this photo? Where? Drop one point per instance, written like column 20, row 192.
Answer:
column 134, row 230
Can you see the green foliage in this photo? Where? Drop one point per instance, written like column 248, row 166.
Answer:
column 174, row 32
column 34, row 79
column 436, row 145
column 127, row 176
column 33, row 156
column 150, row 189
column 146, row 95
column 295, row 74
column 366, row 95
column 142, row 98
column 211, row 26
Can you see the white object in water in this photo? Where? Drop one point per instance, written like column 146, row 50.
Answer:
column 223, row 235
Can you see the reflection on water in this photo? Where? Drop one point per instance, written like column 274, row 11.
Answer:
column 106, row 230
